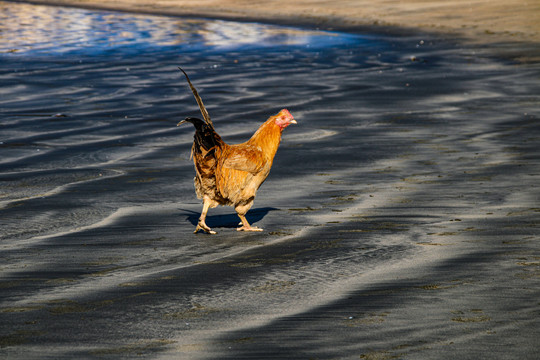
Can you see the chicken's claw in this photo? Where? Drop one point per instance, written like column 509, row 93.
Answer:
column 249, row 228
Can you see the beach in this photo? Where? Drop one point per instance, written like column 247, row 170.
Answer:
column 400, row 218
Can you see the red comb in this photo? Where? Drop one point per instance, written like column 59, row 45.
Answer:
column 286, row 112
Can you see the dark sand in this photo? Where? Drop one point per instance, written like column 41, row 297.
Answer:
column 401, row 216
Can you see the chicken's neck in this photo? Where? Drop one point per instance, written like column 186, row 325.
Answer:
column 267, row 137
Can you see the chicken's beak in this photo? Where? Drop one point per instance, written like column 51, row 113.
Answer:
column 293, row 121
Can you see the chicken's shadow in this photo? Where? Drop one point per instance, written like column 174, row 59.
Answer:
column 229, row 220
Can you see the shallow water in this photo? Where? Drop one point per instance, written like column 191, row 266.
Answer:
column 31, row 30
column 409, row 184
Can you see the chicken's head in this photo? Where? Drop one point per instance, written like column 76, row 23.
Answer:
column 284, row 119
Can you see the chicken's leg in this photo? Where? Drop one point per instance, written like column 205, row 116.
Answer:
column 202, row 220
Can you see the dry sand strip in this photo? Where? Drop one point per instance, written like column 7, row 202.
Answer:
column 513, row 24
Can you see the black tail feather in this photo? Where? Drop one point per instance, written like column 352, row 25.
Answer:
column 205, row 135
column 204, row 112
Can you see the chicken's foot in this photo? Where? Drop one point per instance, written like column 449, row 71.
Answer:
column 202, row 226
column 245, row 225
column 249, row 228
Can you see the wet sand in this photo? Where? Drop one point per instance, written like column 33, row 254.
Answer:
column 401, row 215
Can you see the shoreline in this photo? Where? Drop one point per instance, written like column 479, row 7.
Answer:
column 507, row 28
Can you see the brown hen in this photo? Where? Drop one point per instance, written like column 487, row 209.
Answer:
column 232, row 174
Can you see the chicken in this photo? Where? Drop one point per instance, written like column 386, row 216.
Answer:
column 231, row 174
